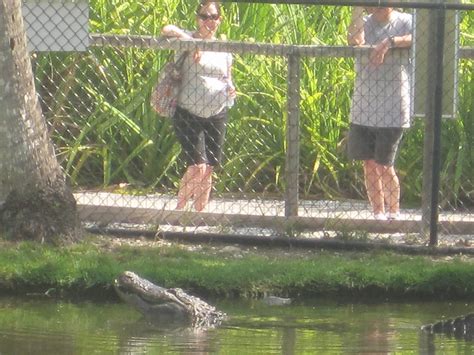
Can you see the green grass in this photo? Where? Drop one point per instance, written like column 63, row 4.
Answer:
column 30, row 266
column 106, row 132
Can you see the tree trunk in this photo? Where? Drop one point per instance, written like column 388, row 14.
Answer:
column 35, row 201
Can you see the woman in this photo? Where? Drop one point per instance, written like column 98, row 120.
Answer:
column 201, row 116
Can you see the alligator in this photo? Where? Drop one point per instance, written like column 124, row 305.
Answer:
column 166, row 305
column 460, row 327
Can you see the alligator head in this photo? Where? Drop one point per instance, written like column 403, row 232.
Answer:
column 460, row 327
column 165, row 305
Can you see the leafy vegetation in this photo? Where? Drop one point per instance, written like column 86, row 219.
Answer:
column 106, row 133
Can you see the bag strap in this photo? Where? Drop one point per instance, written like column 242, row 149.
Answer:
column 178, row 63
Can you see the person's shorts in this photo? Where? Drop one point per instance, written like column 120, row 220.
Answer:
column 374, row 143
column 201, row 139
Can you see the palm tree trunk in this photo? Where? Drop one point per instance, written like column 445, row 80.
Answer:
column 33, row 192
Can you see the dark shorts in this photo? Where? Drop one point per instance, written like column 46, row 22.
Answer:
column 201, row 138
column 374, row 143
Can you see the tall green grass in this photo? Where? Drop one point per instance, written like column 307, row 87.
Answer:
column 106, row 133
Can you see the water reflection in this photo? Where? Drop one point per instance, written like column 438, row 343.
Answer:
column 316, row 327
column 142, row 336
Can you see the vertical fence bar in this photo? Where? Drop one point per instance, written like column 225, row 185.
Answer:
column 432, row 141
column 292, row 136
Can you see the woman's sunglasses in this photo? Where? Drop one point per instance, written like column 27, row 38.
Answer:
column 205, row 17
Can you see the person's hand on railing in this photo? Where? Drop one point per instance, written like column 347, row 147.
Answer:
column 176, row 32
column 377, row 55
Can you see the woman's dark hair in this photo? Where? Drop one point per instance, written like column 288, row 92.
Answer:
column 204, row 3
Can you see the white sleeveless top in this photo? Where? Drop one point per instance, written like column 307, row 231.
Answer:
column 204, row 87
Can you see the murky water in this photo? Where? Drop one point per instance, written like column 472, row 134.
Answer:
column 39, row 326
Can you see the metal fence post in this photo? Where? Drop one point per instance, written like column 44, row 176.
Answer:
column 292, row 136
column 432, row 141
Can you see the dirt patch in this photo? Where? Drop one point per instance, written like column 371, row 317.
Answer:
column 236, row 251
column 111, row 243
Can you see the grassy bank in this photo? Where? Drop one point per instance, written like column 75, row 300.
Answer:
column 91, row 266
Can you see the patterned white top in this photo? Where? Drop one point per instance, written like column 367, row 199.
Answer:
column 204, row 87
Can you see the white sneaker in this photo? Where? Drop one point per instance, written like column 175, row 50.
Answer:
column 380, row 217
column 393, row 215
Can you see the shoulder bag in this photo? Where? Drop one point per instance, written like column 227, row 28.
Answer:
column 164, row 96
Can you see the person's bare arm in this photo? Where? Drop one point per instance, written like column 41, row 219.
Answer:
column 401, row 41
column 355, row 32
column 377, row 56
column 174, row 31
column 231, row 88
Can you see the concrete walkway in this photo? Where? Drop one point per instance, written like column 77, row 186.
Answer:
column 316, row 215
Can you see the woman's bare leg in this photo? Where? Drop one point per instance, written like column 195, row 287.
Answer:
column 187, row 186
column 204, row 186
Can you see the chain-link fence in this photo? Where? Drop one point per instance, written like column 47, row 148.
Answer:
column 305, row 143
